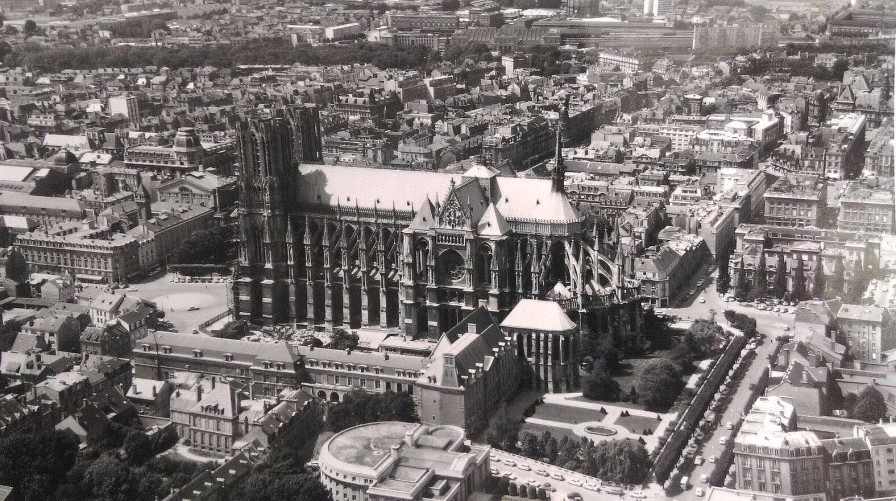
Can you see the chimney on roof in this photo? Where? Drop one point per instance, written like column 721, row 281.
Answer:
column 199, row 391
column 154, row 392
column 134, row 388
column 213, row 382
column 394, row 451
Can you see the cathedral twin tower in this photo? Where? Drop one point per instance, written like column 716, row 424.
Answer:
column 327, row 245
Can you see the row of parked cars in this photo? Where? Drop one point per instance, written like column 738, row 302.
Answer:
column 198, row 280
column 592, row 485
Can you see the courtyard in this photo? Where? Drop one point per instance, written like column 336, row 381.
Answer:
column 186, row 305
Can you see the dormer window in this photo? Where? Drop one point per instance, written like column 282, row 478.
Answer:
column 197, row 353
column 166, row 349
column 145, row 347
column 267, row 365
column 228, row 357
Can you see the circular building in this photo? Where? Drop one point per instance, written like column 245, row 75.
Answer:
column 389, row 460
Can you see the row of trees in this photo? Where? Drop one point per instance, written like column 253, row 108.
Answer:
column 620, row 461
column 802, row 288
column 263, row 51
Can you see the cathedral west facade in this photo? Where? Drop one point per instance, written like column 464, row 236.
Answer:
column 329, row 245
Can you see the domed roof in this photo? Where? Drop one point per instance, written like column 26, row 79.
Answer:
column 186, row 138
column 64, row 157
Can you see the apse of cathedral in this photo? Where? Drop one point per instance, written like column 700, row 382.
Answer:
column 329, row 245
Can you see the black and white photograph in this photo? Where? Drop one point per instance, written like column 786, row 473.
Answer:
column 447, row 250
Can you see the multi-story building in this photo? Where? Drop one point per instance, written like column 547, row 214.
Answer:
column 127, row 105
column 786, row 463
column 433, row 40
column 93, row 255
column 659, row 8
column 665, row 269
column 869, row 331
column 200, row 188
column 866, row 208
column 844, row 136
column 392, row 460
column 519, row 143
column 44, row 210
column 614, row 61
column 881, row 442
column 456, row 385
column 721, row 141
column 849, row 467
column 476, row 362
column 426, row 21
column 879, row 155
column 187, row 153
column 796, row 200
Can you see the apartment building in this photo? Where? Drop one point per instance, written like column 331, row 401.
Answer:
column 786, row 463
column 869, row 331
column 796, row 200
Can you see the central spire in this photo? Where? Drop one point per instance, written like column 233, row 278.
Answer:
column 558, row 176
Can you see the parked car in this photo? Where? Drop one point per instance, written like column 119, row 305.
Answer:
column 576, row 482
column 557, row 476
column 510, row 462
column 524, row 467
column 698, row 492
column 542, row 472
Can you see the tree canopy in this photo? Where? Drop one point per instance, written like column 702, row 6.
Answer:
column 659, row 384
column 359, row 407
column 262, row 51
column 870, row 406
column 598, row 385
column 16, row 266
column 503, row 432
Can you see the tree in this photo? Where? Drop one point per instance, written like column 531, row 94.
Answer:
column 740, row 285
column 835, row 284
column 530, row 447
column 818, row 281
column 138, row 447
column 342, row 339
column 723, row 283
column 359, row 407
column 870, row 406
column 503, row 432
column 35, row 461
column 29, row 27
column 109, row 479
column 799, row 280
column 598, row 385
column 780, row 286
column 856, row 282
column 761, row 280
column 16, row 266
column 659, row 384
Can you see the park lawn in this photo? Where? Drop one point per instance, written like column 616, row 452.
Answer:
column 557, row 432
column 567, row 414
column 637, row 424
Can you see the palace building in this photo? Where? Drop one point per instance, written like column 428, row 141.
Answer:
column 331, row 245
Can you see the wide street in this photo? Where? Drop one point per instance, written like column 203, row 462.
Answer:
column 768, row 323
